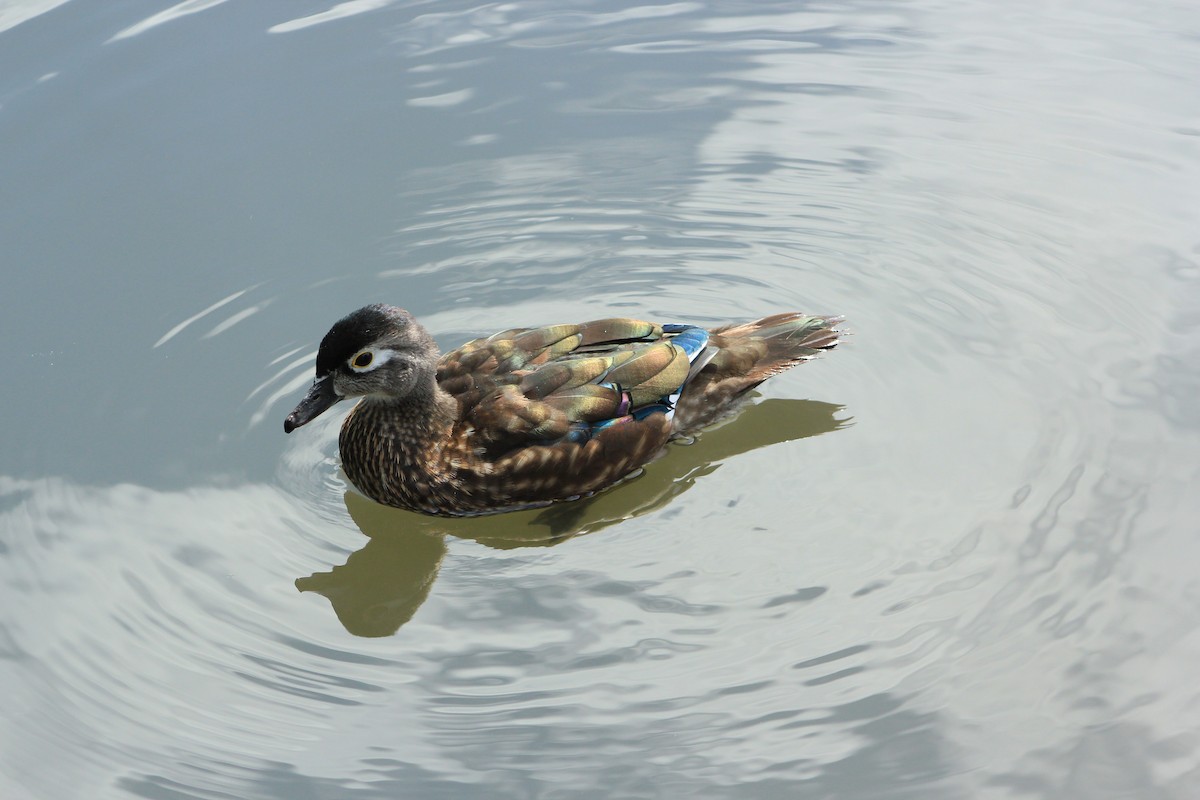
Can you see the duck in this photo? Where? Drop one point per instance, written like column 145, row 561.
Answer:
column 528, row 417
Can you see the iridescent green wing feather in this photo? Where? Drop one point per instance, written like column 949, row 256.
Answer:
column 565, row 382
column 482, row 365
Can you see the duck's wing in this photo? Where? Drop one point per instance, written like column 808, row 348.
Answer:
column 567, row 383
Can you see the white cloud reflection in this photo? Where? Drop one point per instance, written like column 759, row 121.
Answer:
column 339, row 11
column 14, row 12
column 163, row 17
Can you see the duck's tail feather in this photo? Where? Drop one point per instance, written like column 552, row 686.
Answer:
column 788, row 338
column 746, row 355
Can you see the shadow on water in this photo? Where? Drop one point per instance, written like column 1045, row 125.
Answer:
column 381, row 586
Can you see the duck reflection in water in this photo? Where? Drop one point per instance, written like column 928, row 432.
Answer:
column 381, row 586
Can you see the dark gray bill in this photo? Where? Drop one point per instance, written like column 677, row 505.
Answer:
column 319, row 398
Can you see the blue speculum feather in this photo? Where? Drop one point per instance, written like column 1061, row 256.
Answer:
column 693, row 340
column 658, row 408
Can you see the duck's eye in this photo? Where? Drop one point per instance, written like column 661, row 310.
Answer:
column 362, row 359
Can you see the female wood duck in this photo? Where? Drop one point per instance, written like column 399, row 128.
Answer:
column 531, row 416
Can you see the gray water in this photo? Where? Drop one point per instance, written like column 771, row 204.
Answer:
column 956, row 558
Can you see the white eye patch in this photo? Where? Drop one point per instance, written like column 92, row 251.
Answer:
column 369, row 359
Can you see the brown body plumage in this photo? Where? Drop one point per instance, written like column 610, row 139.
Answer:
column 532, row 416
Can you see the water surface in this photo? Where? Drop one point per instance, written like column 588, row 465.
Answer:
column 954, row 559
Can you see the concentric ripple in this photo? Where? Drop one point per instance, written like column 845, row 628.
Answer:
column 952, row 559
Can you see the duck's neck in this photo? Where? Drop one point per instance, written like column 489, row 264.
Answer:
column 438, row 410
column 418, row 417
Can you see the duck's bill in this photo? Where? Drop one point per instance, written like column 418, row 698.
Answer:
column 319, row 398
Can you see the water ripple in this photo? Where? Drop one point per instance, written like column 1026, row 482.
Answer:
column 981, row 583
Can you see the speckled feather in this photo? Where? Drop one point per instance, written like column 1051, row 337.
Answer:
column 532, row 416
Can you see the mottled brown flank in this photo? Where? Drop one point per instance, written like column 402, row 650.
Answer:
column 490, row 439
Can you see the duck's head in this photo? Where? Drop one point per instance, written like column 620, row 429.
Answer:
column 378, row 350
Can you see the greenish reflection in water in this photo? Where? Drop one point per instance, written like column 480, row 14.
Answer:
column 381, row 586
